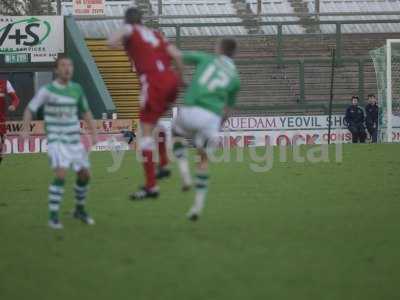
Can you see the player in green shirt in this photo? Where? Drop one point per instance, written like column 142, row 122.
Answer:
column 207, row 101
column 64, row 102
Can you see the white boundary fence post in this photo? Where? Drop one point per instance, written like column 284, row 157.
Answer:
column 389, row 94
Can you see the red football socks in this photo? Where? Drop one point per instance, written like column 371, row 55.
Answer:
column 149, row 170
column 162, row 149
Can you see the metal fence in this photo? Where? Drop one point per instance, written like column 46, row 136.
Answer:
column 335, row 35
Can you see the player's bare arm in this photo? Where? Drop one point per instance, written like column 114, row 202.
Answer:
column 14, row 102
column 26, row 123
column 176, row 54
column 14, row 98
column 89, row 120
column 116, row 40
column 226, row 115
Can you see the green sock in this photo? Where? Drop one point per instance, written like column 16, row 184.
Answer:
column 201, row 184
column 56, row 192
column 53, row 215
column 180, row 152
column 81, row 188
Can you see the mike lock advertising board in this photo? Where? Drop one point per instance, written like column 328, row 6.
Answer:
column 25, row 39
column 289, row 130
column 236, row 132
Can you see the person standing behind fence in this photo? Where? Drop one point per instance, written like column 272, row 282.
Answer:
column 355, row 121
column 371, row 120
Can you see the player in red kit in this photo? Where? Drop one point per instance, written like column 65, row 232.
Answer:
column 152, row 57
column 6, row 89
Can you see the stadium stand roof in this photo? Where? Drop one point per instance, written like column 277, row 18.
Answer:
column 200, row 7
column 376, row 6
column 193, row 8
column 190, row 8
column 277, row 7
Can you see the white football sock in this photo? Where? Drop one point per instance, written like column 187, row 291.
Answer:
column 183, row 165
column 201, row 193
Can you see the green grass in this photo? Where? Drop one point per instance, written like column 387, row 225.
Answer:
column 301, row 231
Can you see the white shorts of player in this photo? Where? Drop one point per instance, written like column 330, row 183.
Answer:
column 67, row 156
column 199, row 124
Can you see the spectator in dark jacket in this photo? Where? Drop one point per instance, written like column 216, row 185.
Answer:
column 355, row 121
column 371, row 120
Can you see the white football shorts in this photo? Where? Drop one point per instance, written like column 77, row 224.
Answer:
column 199, row 124
column 68, row 156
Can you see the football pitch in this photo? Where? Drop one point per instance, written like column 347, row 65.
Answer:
column 323, row 230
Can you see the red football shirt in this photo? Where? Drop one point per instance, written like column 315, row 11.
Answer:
column 6, row 89
column 147, row 49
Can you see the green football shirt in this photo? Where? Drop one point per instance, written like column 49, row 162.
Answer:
column 62, row 107
column 215, row 81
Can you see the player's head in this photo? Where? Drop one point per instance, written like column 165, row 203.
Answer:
column 354, row 100
column 227, row 47
column 133, row 16
column 64, row 68
column 371, row 98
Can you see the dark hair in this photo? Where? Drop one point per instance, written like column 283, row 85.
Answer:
column 371, row 96
column 355, row 97
column 60, row 58
column 228, row 47
column 133, row 15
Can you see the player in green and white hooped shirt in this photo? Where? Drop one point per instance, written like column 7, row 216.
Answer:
column 64, row 102
column 207, row 102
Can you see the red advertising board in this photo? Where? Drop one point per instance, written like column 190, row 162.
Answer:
column 109, row 136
